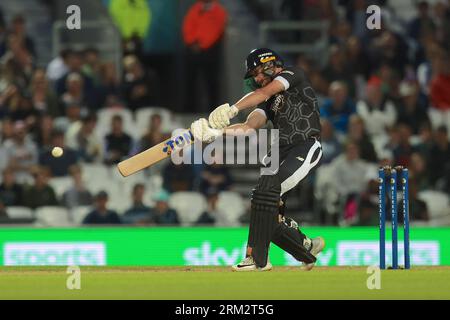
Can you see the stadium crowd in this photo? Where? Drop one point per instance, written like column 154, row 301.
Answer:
column 384, row 99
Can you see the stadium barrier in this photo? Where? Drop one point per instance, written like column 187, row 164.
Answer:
column 169, row 246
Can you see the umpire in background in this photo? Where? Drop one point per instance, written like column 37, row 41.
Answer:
column 203, row 29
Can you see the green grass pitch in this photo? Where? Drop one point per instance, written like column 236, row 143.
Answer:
column 219, row 283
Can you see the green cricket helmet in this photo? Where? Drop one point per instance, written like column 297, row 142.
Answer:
column 262, row 56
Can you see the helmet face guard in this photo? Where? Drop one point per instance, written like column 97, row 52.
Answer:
column 262, row 57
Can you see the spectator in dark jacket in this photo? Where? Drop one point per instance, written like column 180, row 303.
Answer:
column 78, row 194
column 40, row 194
column 139, row 86
column 118, row 143
column 10, row 191
column 139, row 212
column 178, row 177
column 161, row 212
column 101, row 214
column 215, row 176
column 59, row 166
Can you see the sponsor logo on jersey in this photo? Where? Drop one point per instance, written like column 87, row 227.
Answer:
column 277, row 103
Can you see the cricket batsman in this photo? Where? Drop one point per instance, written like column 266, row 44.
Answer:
column 284, row 96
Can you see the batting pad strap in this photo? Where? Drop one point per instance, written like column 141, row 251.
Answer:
column 291, row 241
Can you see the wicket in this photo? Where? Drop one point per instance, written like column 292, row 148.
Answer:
column 391, row 185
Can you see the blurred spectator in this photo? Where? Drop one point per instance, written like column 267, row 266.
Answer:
column 11, row 193
column 178, row 177
column 58, row 166
column 109, row 86
column 138, row 213
column 340, row 32
column 118, row 143
column 425, row 142
column 339, row 107
column 18, row 106
column 2, row 34
column 58, row 66
column 40, row 193
column 77, row 195
column 402, row 149
column 82, row 138
column 330, row 144
column 423, row 24
column 389, row 49
column 439, row 156
column 203, row 30
column 101, row 214
column 18, row 28
column 21, row 152
column 215, row 176
column 441, row 11
column 75, row 94
column 210, row 215
column 42, row 96
column 356, row 15
column 43, row 133
column 439, row 89
column 338, row 68
column 3, row 213
column 349, row 172
column 411, row 113
column 92, row 64
column 377, row 112
column 418, row 210
column 7, row 130
column 355, row 54
column 419, row 170
column 368, row 205
column 17, row 63
column 161, row 212
column 154, row 133
column 74, row 62
column 139, row 87
column 357, row 134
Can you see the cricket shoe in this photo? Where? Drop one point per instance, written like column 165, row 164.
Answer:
column 317, row 245
column 248, row 264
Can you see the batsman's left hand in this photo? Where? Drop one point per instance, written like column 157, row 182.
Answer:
column 201, row 131
column 220, row 117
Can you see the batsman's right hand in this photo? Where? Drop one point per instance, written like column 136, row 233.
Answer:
column 221, row 116
column 201, row 131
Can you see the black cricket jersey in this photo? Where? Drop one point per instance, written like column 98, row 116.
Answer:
column 295, row 111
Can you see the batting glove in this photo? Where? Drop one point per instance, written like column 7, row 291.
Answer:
column 221, row 116
column 201, row 131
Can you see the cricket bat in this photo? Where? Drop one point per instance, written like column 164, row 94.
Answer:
column 155, row 154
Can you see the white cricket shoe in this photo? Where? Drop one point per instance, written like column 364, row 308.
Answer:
column 317, row 246
column 248, row 264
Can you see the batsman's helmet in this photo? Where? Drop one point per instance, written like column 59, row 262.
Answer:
column 259, row 57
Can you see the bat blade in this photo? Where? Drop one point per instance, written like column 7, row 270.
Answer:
column 155, row 154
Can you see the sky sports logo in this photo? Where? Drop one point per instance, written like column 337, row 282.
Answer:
column 364, row 253
column 54, row 253
column 345, row 253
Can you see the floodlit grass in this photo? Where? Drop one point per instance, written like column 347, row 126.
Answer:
column 220, row 283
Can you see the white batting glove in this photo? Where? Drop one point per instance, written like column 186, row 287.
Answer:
column 201, row 131
column 221, row 116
